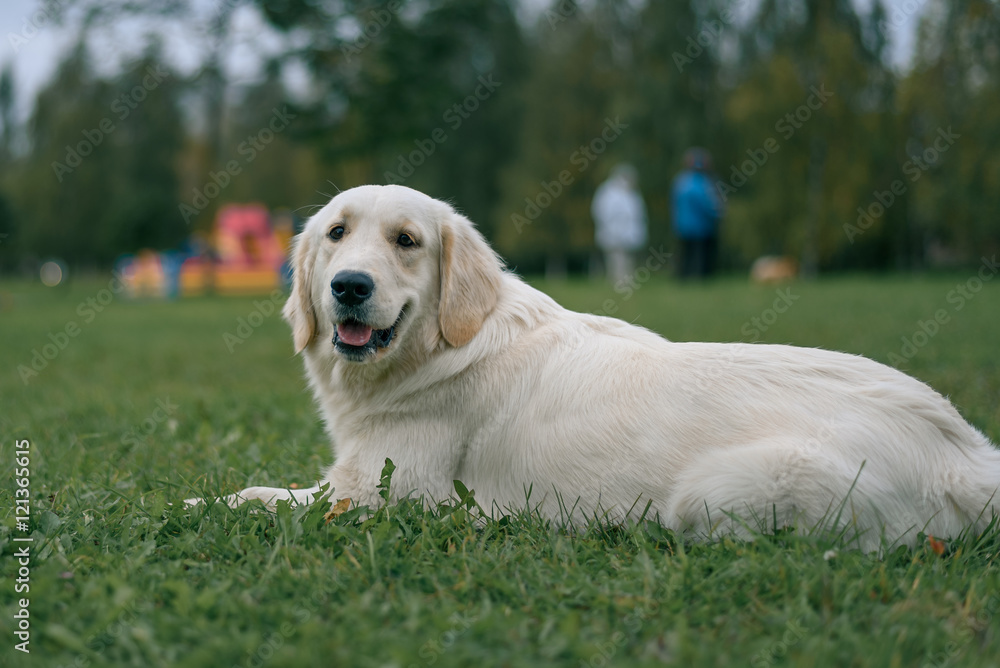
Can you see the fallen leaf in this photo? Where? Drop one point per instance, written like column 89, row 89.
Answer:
column 936, row 545
column 338, row 509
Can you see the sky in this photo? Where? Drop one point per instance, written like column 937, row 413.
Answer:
column 35, row 44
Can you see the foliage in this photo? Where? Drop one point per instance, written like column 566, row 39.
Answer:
column 101, row 178
column 395, row 93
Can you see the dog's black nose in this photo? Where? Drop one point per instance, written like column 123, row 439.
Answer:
column 352, row 287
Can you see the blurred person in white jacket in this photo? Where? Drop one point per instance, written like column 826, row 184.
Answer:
column 620, row 221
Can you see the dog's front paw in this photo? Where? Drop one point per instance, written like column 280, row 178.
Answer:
column 269, row 496
column 233, row 500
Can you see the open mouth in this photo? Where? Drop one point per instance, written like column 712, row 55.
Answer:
column 357, row 340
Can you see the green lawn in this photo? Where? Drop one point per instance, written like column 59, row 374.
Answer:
column 147, row 405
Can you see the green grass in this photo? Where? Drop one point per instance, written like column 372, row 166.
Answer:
column 119, row 577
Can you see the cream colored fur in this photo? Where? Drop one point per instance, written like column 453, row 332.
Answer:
column 491, row 382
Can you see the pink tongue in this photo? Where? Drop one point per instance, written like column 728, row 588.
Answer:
column 354, row 334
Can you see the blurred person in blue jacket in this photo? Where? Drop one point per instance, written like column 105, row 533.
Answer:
column 619, row 221
column 697, row 210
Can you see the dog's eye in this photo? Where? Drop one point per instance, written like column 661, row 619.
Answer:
column 337, row 232
column 405, row 240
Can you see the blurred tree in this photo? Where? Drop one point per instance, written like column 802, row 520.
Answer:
column 101, row 175
column 674, row 99
column 146, row 142
column 817, row 153
column 213, row 78
column 8, row 242
column 7, row 110
column 408, row 92
column 812, row 97
column 7, row 163
column 284, row 173
column 63, row 188
column 954, row 91
column 544, row 218
column 209, row 85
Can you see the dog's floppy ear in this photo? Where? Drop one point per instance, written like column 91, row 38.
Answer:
column 299, row 311
column 470, row 280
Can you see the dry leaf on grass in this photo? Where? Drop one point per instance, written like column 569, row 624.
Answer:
column 338, row 509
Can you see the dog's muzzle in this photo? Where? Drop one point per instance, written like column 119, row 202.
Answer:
column 357, row 340
column 358, row 335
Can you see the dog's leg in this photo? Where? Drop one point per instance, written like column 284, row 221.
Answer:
column 269, row 495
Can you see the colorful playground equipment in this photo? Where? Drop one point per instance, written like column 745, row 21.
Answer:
column 246, row 255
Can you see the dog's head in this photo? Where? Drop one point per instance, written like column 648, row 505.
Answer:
column 382, row 269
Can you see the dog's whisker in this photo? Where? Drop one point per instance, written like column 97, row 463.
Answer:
column 314, row 207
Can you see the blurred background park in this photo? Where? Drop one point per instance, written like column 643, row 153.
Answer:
column 857, row 139
column 846, row 134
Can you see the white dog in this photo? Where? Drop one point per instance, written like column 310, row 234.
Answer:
column 420, row 348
